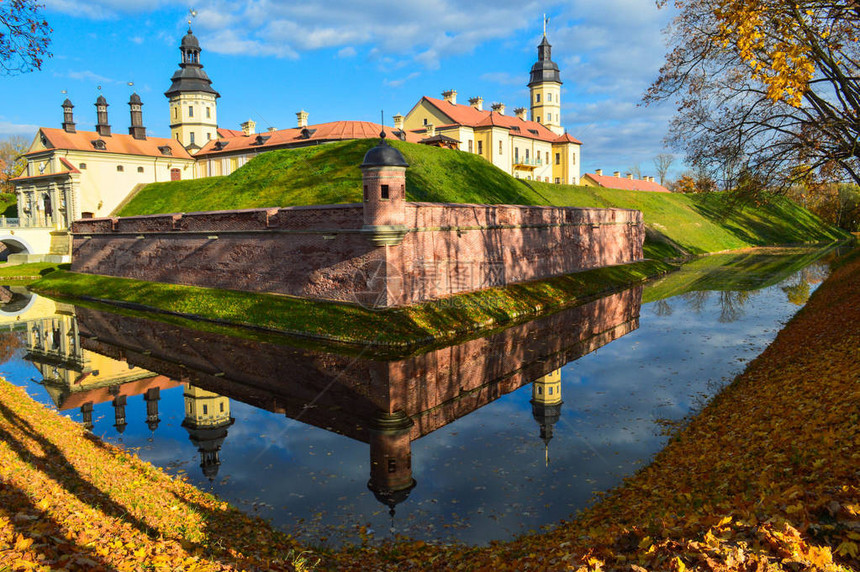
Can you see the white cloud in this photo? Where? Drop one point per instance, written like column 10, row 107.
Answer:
column 100, row 9
column 86, row 75
column 347, row 52
column 399, row 82
column 7, row 128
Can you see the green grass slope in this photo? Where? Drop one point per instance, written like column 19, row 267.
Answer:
column 329, row 174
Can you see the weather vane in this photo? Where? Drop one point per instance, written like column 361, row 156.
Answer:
column 192, row 13
column 545, row 22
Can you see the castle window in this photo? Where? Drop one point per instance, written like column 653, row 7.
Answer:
column 82, row 166
column 191, row 137
column 165, row 149
column 549, row 97
column 365, row 193
column 470, row 146
column 550, row 391
column 99, row 144
column 120, row 168
column 205, row 410
column 383, row 191
column 392, row 465
column 540, row 390
column 208, row 113
column 549, row 116
column 140, row 169
column 175, row 112
column 500, row 146
column 557, row 180
column 425, row 121
column 190, row 111
column 527, row 155
column 208, row 136
column 222, row 407
column 573, row 159
column 537, row 98
column 480, row 147
column 558, row 158
column 538, row 118
column 516, row 154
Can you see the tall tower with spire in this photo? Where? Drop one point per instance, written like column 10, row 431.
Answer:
column 546, row 405
column 193, row 111
column 545, row 88
column 207, row 418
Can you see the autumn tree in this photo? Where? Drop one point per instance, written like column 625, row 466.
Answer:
column 767, row 89
column 662, row 164
column 11, row 164
column 24, row 36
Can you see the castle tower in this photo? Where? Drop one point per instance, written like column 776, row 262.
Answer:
column 102, row 126
column 68, row 116
column 545, row 89
column 207, row 417
column 137, row 130
column 383, row 175
column 391, row 459
column 546, row 405
column 119, row 403
column 193, row 117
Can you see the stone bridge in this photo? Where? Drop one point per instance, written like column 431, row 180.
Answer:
column 24, row 244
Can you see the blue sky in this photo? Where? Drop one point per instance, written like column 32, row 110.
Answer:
column 349, row 60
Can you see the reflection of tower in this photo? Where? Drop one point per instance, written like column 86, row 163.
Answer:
column 546, row 405
column 119, row 403
column 207, row 417
column 391, row 459
column 87, row 414
column 152, row 395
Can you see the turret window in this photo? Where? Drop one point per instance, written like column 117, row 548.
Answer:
column 392, row 465
column 205, row 410
column 365, row 193
column 537, row 98
column 190, row 111
column 500, row 147
column 383, row 191
column 175, row 112
column 549, row 97
column 208, row 113
column 470, row 146
column 538, row 118
column 480, row 147
column 191, row 137
column 558, row 158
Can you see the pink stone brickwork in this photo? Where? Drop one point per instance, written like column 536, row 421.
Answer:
column 323, row 252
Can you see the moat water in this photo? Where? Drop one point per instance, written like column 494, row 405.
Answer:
column 470, row 443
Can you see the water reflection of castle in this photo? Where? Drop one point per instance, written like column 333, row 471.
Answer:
column 387, row 404
column 77, row 378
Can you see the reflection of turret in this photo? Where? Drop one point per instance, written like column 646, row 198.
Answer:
column 546, row 405
column 152, row 395
column 119, row 413
column 87, row 414
column 207, row 417
column 391, row 459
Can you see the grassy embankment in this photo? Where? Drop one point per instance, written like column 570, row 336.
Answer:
column 25, row 273
column 329, row 174
column 764, row 478
column 399, row 329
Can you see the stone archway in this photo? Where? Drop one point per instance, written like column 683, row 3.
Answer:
column 13, row 245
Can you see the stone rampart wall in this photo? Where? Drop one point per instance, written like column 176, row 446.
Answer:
column 322, row 252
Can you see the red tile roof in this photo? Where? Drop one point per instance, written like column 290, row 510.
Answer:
column 116, row 143
column 626, row 184
column 321, row 132
column 471, row 117
column 230, row 132
column 567, row 138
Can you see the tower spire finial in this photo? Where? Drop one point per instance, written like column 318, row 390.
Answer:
column 545, row 22
column 192, row 13
column 382, row 124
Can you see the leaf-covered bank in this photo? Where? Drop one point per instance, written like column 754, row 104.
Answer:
column 350, row 324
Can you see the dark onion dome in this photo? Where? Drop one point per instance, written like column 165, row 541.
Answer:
column 190, row 75
column 546, row 416
column 544, row 69
column 189, row 40
column 384, row 155
column 135, row 99
column 67, row 103
column 101, row 100
column 391, row 497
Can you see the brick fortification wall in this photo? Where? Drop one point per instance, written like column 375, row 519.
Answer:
column 323, row 252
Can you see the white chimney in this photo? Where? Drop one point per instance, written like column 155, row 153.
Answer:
column 249, row 127
column 302, row 117
column 499, row 108
column 520, row 113
column 477, row 103
column 431, row 130
column 598, row 172
column 398, row 122
column 630, row 176
column 450, row 96
column 616, row 174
